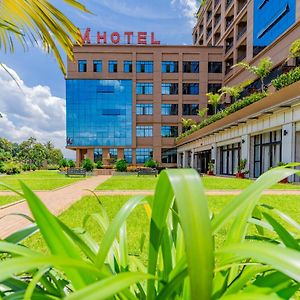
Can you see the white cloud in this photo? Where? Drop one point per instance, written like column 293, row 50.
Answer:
column 30, row 111
column 189, row 9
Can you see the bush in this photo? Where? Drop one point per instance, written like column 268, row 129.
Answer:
column 88, row 165
column 12, row 167
column 99, row 164
column 224, row 113
column 26, row 167
column 63, row 163
column 2, row 169
column 33, row 167
column 150, row 163
column 71, row 163
column 52, row 167
column 286, row 79
column 121, row 165
column 183, row 260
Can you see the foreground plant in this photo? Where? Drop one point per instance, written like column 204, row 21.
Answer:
column 183, row 261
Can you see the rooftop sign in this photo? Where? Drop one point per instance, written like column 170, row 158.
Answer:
column 128, row 38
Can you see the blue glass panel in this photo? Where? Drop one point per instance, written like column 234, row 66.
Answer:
column 271, row 19
column 128, row 155
column 97, row 65
column 99, row 112
column 143, row 154
column 82, row 66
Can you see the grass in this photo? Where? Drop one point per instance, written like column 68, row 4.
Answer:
column 210, row 182
column 38, row 180
column 138, row 221
column 8, row 199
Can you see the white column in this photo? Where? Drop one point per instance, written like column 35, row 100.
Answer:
column 179, row 160
column 245, row 151
column 184, row 160
column 192, row 158
column 214, row 157
column 288, row 143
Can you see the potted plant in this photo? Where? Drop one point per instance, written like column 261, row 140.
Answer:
column 211, row 167
column 241, row 169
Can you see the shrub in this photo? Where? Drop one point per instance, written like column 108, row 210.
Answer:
column 63, row 163
column 88, row 165
column 286, row 79
column 52, row 167
column 2, row 169
column 150, row 163
column 26, row 167
column 224, row 113
column 184, row 262
column 12, row 167
column 71, row 163
column 99, row 164
column 33, row 167
column 121, row 165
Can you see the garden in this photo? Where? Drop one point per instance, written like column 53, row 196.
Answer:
column 177, row 244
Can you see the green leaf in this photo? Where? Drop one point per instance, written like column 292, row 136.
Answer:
column 108, row 287
column 22, row 234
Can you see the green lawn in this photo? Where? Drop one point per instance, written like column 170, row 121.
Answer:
column 133, row 182
column 8, row 199
column 38, row 180
column 138, row 221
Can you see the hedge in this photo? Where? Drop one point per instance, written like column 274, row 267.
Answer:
column 286, row 79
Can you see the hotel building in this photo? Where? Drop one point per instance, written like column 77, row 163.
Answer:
column 267, row 132
column 127, row 101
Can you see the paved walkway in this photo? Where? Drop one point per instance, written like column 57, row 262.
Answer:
column 208, row 192
column 56, row 201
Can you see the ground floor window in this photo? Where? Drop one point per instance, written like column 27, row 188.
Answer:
column 98, row 154
column 267, row 151
column 143, row 154
column 128, row 155
column 202, row 160
column 113, row 154
column 169, row 156
column 229, row 158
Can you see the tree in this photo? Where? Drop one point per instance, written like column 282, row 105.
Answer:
column 202, row 112
column 295, row 49
column 236, row 90
column 262, row 70
column 214, row 100
column 187, row 123
column 38, row 22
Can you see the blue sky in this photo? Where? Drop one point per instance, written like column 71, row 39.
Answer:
column 171, row 20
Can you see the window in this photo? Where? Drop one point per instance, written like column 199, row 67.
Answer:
column 97, row 66
column 214, row 67
column 190, row 109
column 214, row 87
column 128, row 155
column 169, row 67
column 144, row 131
column 190, row 66
column 144, row 109
column 169, row 131
column 229, row 158
column 82, row 66
column 143, row 155
column 169, row 156
column 112, row 66
column 169, row 88
column 113, row 154
column 98, row 153
column 267, row 151
column 169, row 109
column 144, row 88
column 144, row 66
column 127, row 66
column 190, row 88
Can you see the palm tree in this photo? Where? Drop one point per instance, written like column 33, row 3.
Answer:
column 38, row 22
column 202, row 112
column 187, row 123
column 214, row 100
column 234, row 91
column 262, row 70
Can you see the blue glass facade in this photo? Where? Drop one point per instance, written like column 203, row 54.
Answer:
column 271, row 19
column 99, row 112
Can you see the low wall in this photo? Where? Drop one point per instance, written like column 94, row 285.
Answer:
column 103, row 172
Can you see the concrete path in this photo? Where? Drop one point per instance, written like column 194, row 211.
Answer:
column 56, row 201
column 208, row 192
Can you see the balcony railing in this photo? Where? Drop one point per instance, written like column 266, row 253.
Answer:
column 217, row 19
column 241, row 32
column 228, row 3
column 229, row 21
column 241, row 5
column 208, row 33
column 209, row 14
column 216, row 3
column 229, row 45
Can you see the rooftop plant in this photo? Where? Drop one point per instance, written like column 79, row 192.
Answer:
column 286, row 79
column 183, row 260
column 214, row 100
column 262, row 70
